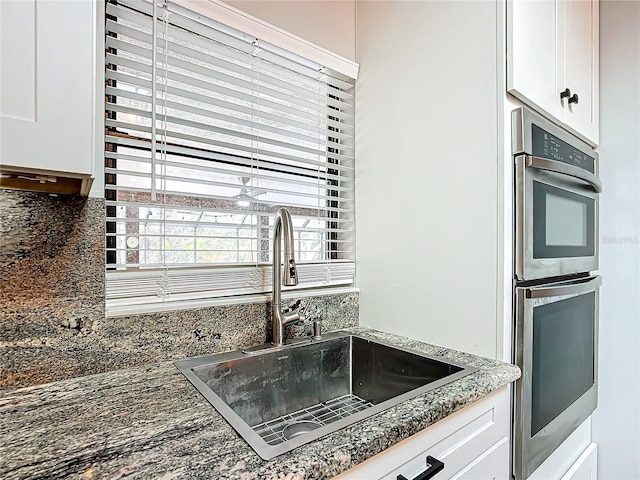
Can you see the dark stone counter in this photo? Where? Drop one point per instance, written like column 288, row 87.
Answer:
column 150, row 422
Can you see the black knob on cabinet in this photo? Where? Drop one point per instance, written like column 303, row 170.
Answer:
column 573, row 98
column 565, row 93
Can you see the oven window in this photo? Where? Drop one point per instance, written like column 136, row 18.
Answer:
column 563, row 223
column 563, row 356
column 566, row 222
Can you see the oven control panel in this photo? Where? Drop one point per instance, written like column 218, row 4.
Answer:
column 546, row 145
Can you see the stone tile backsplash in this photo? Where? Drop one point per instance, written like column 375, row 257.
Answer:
column 52, row 315
column 51, row 285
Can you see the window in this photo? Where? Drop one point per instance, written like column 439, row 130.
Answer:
column 197, row 162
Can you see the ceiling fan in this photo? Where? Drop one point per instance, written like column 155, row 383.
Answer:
column 247, row 194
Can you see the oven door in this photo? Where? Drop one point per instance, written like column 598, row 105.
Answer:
column 556, row 210
column 556, row 344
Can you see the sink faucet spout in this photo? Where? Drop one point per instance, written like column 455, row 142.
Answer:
column 282, row 230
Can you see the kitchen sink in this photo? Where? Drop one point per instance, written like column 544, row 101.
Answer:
column 280, row 398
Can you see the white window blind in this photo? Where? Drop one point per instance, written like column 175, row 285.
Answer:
column 209, row 132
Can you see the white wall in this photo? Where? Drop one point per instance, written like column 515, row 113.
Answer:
column 427, row 170
column 327, row 23
column 616, row 422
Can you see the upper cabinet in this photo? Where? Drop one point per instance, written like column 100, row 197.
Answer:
column 581, row 66
column 552, row 60
column 49, row 90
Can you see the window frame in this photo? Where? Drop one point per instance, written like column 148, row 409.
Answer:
column 258, row 274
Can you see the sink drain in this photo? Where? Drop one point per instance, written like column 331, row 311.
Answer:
column 299, row 428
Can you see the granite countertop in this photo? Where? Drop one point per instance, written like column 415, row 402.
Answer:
column 150, row 422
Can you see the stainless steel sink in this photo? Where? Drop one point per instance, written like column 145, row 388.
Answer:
column 280, row 398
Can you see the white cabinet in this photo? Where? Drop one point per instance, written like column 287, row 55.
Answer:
column 581, row 65
column 472, row 443
column 586, row 467
column 552, row 60
column 49, row 89
column 567, row 460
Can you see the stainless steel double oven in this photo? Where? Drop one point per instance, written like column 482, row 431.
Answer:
column 555, row 294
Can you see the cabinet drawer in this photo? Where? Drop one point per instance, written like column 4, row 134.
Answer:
column 458, row 441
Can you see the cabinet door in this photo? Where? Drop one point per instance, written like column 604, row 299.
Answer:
column 534, row 58
column 47, row 84
column 586, row 467
column 581, row 66
column 491, row 465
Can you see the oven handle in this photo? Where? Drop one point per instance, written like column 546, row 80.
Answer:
column 565, row 169
column 566, row 288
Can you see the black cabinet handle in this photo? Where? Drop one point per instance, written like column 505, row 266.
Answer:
column 433, row 467
column 565, row 93
column 574, row 98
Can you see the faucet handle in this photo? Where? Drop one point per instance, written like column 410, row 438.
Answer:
column 290, row 318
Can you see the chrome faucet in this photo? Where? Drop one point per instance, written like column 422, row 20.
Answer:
column 282, row 229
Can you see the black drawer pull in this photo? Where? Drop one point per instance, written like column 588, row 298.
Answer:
column 433, row 467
